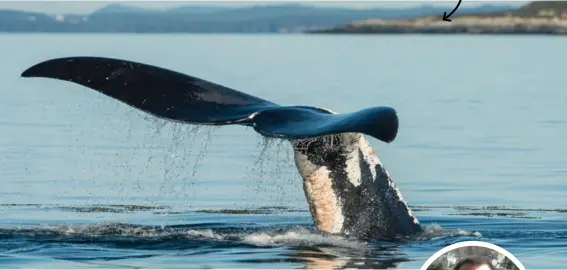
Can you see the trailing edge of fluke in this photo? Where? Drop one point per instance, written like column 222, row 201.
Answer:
column 184, row 98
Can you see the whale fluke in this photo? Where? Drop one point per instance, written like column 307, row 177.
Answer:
column 347, row 188
column 175, row 96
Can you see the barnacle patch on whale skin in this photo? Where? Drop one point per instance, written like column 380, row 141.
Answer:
column 324, row 191
column 324, row 204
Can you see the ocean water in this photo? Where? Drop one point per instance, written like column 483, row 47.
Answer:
column 86, row 181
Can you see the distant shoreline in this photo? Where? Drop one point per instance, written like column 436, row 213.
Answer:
column 535, row 18
column 438, row 34
column 313, row 33
column 256, row 19
column 470, row 25
column 400, row 33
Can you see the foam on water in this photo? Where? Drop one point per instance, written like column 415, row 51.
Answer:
column 293, row 236
column 435, row 232
column 290, row 236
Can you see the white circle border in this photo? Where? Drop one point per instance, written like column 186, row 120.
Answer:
column 468, row 244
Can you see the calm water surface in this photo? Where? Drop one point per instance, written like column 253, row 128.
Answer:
column 89, row 182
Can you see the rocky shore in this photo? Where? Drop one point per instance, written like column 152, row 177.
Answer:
column 470, row 25
column 534, row 18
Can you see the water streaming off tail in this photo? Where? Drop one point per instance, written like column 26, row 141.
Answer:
column 150, row 158
column 160, row 161
column 272, row 170
column 178, row 163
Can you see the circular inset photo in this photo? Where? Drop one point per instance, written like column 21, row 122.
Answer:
column 473, row 255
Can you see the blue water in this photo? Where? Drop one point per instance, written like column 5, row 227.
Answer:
column 89, row 182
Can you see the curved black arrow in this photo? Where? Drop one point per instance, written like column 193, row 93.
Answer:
column 446, row 17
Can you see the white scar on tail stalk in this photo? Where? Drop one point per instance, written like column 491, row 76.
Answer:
column 348, row 190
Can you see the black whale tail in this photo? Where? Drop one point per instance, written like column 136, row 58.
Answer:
column 180, row 97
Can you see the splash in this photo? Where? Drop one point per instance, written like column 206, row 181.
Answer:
column 184, row 138
column 164, row 152
column 200, row 156
column 436, row 232
column 272, row 171
column 300, row 237
column 136, row 234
